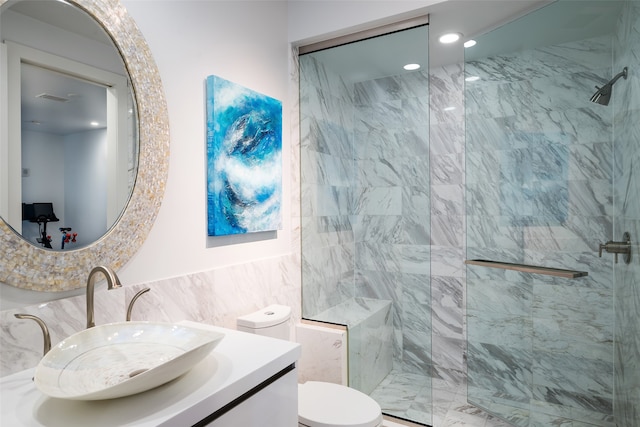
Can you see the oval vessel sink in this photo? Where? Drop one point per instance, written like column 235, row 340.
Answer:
column 121, row 359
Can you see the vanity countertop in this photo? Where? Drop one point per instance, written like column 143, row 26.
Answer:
column 240, row 362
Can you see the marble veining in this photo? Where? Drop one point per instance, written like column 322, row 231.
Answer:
column 541, row 193
column 324, row 353
column 213, row 297
column 388, row 134
column 389, row 212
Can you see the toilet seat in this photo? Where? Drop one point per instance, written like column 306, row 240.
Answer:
column 323, row 404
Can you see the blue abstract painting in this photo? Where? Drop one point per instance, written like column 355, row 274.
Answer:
column 244, row 159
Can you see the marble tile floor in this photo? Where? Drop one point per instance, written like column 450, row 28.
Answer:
column 409, row 396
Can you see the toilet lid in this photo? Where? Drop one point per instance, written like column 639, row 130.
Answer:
column 329, row 405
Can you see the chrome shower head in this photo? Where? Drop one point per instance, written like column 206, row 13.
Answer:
column 603, row 95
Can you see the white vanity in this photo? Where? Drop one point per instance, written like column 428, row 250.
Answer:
column 247, row 380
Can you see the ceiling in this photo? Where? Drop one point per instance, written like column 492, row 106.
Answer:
column 560, row 22
column 381, row 56
column 386, row 55
column 62, row 15
column 555, row 22
column 470, row 18
column 73, row 103
column 59, row 104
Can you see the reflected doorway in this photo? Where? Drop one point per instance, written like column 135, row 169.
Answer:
column 64, row 151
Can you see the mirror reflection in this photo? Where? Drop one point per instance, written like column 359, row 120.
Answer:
column 70, row 154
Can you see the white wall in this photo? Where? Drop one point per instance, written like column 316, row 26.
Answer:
column 242, row 41
column 55, row 164
column 48, row 38
column 211, row 280
column 42, row 154
column 316, row 20
column 246, row 42
column 85, row 172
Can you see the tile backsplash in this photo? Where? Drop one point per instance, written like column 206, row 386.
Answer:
column 215, row 297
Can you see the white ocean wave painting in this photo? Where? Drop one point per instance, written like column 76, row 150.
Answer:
column 244, row 159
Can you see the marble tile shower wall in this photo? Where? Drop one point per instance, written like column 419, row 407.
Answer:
column 448, row 234
column 435, row 190
column 539, row 175
column 326, row 126
column 326, row 171
column 626, row 102
column 391, row 213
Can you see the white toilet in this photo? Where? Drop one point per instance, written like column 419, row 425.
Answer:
column 320, row 404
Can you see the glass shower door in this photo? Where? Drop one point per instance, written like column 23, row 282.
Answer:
column 366, row 211
column 550, row 177
column 626, row 203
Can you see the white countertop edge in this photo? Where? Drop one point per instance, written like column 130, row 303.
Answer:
column 240, row 362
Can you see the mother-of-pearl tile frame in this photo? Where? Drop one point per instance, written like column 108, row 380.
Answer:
column 29, row 267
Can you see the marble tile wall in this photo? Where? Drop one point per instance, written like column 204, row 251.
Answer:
column 386, row 240
column 370, row 326
column 448, row 229
column 326, row 125
column 431, row 301
column 324, row 353
column 626, row 101
column 215, row 297
column 392, row 207
column 539, row 173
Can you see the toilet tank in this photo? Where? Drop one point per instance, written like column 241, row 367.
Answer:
column 271, row 321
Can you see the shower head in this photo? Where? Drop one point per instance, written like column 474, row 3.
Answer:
column 603, row 95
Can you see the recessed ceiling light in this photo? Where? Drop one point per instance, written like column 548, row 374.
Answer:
column 472, row 78
column 469, row 43
column 449, row 108
column 449, row 38
column 411, row 67
column 94, row 123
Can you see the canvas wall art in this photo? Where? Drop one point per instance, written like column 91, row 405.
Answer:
column 244, row 159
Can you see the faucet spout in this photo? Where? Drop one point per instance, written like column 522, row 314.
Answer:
column 112, row 282
column 43, row 326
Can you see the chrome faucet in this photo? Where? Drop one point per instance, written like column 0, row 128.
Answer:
column 133, row 301
column 112, row 282
column 43, row 326
column 623, row 247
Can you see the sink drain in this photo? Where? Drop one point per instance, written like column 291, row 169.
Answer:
column 137, row 372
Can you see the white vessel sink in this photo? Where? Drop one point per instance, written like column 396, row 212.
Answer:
column 121, row 359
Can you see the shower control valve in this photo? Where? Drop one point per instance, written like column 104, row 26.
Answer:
column 623, row 247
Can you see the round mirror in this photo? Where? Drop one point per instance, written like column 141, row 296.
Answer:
column 72, row 128
column 83, row 143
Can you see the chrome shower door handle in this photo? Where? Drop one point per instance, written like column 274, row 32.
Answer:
column 623, row 247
